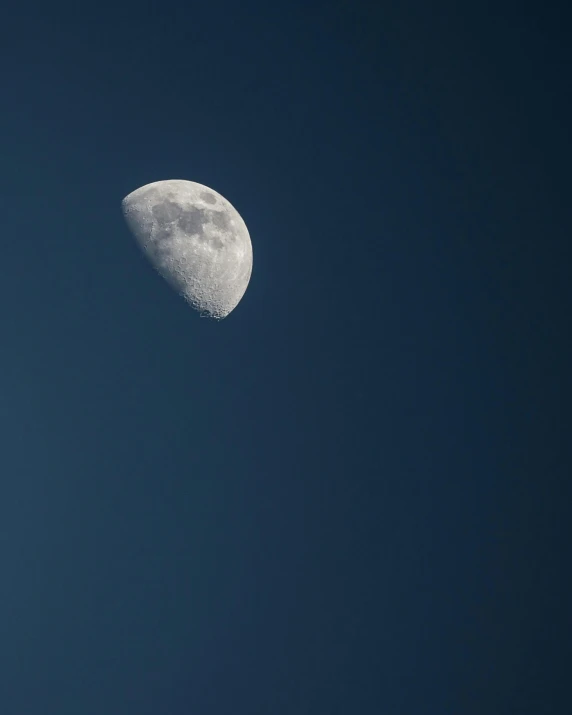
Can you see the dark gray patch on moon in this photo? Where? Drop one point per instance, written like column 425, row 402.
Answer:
column 220, row 220
column 192, row 221
column 166, row 212
column 208, row 198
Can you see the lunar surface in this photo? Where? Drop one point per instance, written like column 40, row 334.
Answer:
column 197, row 241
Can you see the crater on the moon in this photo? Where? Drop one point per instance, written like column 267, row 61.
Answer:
column 208, row 198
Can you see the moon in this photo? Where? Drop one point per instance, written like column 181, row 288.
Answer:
column 195, row 239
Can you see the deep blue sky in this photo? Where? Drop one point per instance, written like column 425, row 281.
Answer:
column 351, row 496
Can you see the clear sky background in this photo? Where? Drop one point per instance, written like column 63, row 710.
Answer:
column 352, row 496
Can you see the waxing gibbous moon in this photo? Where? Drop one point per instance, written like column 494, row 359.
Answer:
column 195, row 239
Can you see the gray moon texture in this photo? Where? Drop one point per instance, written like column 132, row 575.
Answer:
column 195, row 239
